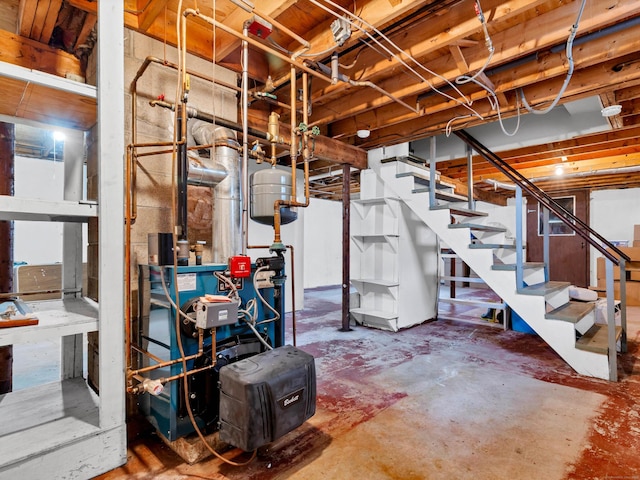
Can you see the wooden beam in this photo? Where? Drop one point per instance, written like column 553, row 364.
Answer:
column 90, row 6
column 586, row 166
column 89, row 22
column 26, row 15
column 150, row 13
column 403, row 86
column 627, row 93
column 50, row 21
column 433, row 34
column 38, row 21
column 458, row 57
column 236, row 19
column 585, row 82
column 325, row 148
column 28, row 53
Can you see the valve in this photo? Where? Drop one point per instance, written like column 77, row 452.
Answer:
column 154, row 387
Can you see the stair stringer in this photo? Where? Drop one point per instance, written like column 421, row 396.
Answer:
column 557, row 334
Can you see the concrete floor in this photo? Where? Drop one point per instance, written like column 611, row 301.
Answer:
column 443, row 400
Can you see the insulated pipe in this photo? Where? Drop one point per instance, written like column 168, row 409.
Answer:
column 182, row 175
column 227, row 195
column 204, row 177
column 245, row 139
column 193, row 112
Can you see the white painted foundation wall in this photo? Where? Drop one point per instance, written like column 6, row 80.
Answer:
column 613, row 213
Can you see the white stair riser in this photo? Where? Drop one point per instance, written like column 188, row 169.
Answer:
column 559, row 335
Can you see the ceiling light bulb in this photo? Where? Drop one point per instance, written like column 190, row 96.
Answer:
column 363, row 133
column 559, row 170
column 611, row 110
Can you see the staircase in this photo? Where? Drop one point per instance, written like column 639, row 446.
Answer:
column 566, row 326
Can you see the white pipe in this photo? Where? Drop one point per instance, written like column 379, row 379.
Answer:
column 245, row 139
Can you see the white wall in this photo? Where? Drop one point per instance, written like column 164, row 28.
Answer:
column 613, row 213
column 323, row 243
column 42, row 179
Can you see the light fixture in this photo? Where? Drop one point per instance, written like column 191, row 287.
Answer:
column 559, row 170
column 611, row 110
column 563, row 158
column 364, row 133
column 58, row 136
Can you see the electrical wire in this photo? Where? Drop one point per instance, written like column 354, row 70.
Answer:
column 462, row 79
column 265, row 303
column 569, row 53
column 466, row 104
column 173, row 304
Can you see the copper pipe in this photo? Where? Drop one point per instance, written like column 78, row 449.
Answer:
column 182, row 374
column 255, row 43
column 146, row 352
column 277, row 242
column 166, row 363
column 165, row 380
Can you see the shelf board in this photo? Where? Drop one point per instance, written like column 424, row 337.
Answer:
column 57, row 318
column 374, row 201
column 376, row 281
column 449, row 278
column 32, row 209
column 375, row 313
column 477, row 303
column 45, row 417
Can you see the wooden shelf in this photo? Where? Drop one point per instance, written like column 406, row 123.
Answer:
column 17, row 208
column 57, row 318
column 44, row 417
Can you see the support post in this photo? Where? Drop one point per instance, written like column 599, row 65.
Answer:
column 519, row 241
column 72, row 345
column 470, row 200
column 611, row 323
column 346, row 244
column 432, row 172
column 545, row 242
column 6, row 245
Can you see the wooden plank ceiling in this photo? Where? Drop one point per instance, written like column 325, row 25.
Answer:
column 413, row 50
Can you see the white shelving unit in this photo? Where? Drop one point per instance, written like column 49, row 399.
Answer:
column 394, row 266
column 63, row 429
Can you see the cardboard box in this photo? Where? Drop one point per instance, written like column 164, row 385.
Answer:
column 632, row 252
column 636, row 243
column 633, row 291
column 601, row 270
column 636, row 232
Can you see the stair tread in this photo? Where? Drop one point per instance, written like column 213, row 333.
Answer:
column 512, row 266
column 481, row 246
column 461, row 211
column 543, row 288
column 451, row 197
column 596, row 339
column 478, row 227
column 571, row 312
column 425, row 180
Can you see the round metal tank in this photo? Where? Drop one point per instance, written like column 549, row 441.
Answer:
column 267, row 186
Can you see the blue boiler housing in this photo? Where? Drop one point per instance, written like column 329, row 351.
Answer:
column 157, row 333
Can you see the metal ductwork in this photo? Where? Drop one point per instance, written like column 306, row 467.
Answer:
column 227, row 193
